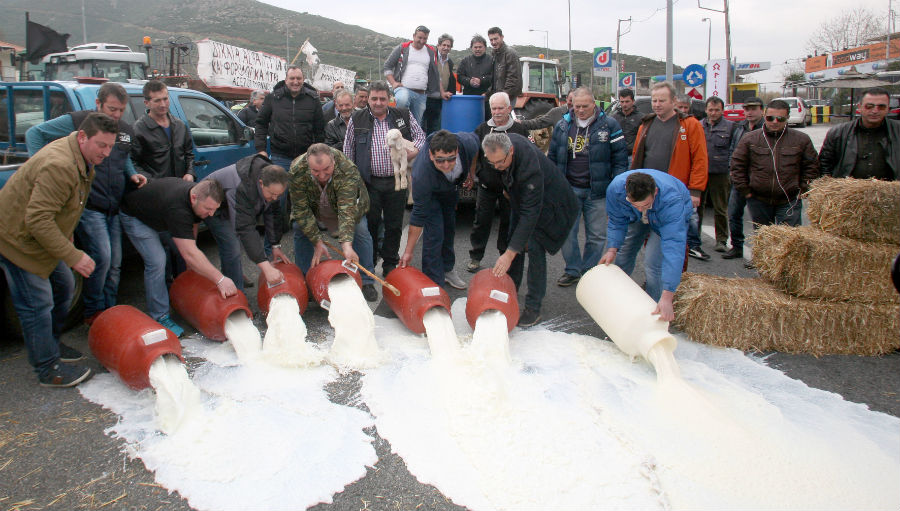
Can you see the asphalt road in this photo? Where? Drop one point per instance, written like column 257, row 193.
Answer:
column 54, row 453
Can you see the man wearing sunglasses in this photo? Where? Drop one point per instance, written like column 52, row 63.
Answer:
column 867, row 147
column 442, row 165
column 772, row 166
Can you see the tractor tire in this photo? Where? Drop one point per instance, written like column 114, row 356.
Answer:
column 534, row 108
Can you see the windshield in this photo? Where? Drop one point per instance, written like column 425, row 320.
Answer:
column 115, row 71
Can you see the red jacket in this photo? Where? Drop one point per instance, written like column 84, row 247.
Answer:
column 689, row 162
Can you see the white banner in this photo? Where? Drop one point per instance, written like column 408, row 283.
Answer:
column 717, row 79
column 326, row 75
column 220, row 64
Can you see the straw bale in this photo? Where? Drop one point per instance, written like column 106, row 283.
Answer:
column 811, row 263
column 752, row 315
column 862, row 209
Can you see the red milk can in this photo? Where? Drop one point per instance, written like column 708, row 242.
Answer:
column 197, row 299
column 418, row 294
column 127, row 341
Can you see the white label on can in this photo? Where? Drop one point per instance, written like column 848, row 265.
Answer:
column 350, row 266
column 155, row 336
column 500, row 296
column 325, row 305
column 431, row 291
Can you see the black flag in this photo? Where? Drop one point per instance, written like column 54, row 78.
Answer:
column 41, row 40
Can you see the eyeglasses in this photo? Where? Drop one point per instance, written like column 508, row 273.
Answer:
column 500, row 162
column 779, row 118
column 874, row 106
column 447, row 159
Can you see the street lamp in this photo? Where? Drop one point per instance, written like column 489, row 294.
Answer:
column 546, row 40
column 709, row 39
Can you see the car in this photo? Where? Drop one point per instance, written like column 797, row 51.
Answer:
column 800, row 114
column 734, row 112
column 220, row 139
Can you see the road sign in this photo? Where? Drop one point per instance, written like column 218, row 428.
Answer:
column 694, row 75
column 694, row 93
column 603, row 57
column 627, row 80
column 717, row 85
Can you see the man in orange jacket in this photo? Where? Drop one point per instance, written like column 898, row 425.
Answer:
column 674, row 143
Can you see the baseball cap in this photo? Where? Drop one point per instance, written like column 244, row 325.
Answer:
column 753, row 101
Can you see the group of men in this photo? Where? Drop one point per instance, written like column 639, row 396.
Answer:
column 106, row 177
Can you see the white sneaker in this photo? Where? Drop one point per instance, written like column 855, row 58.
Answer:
column 453, row 279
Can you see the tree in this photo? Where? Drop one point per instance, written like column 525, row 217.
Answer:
column 852, row 28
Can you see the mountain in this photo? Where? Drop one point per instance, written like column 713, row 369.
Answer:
column 246, row 23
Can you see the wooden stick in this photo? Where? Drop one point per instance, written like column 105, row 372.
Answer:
column 361, row 267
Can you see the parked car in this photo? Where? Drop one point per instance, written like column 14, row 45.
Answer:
column 220, row 139
column 734, row 112
column 800, row 114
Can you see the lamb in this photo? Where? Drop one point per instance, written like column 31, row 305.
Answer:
column 398, row 146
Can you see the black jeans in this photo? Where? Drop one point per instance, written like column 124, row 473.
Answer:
column 431, row 120
column 387, row 205
column 485, row 205
column 736, row 205
column 537, row 274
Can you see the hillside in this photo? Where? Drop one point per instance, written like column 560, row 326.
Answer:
column 340, row 44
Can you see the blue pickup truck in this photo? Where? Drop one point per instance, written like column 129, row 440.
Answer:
column 220, row 139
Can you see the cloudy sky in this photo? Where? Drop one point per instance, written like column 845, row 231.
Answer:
column 761, row 30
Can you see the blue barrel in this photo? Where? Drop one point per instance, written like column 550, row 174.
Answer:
column 462, row 113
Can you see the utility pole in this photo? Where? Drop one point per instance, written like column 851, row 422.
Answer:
column 571, row 76
column 669, row 44
column 84, row 23
column 727, row 36
column 887, row 50
column 619, row 35
column 708, row 39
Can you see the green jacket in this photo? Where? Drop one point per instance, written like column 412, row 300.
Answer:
column 346, row 194
column 40, row 206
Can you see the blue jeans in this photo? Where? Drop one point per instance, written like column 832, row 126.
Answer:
column 101, row 236
column 414, row 101
column 693, row 234
column 537, row 274
column 768, row 214
column 229, row 248
column 147, row 242
column 638, row 232
column 594, row 213
column 42, row 305
column 736, row 205
column 438, row 234
column 362, row 245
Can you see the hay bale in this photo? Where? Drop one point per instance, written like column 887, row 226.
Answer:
column 811, row 263
column 751, row 315
column 862, row 209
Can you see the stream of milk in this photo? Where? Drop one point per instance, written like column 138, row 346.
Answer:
column 285, row 343
column 354, row 345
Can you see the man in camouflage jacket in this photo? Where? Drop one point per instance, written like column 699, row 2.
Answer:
column 328, row 196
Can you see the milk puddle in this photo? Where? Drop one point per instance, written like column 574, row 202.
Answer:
column 263, row 436
column 354, row 345
column 572, row 422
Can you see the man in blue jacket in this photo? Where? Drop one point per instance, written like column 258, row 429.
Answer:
column 589, row 148
column 442, row 165
column 658, row 202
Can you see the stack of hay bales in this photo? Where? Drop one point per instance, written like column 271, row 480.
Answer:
column 824, row 288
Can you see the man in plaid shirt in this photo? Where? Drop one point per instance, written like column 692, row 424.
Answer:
column 365, row 145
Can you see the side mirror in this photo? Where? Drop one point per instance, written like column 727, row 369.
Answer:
column 246, row 134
